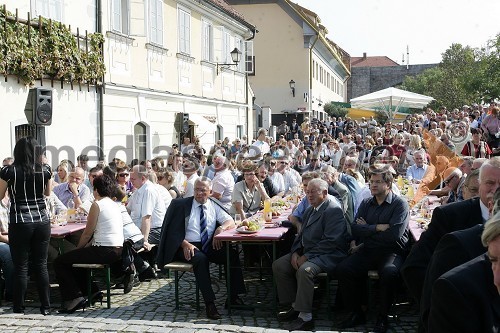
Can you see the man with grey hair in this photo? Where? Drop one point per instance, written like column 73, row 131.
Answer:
column 476, row 164
column 454, row 249
column 456, row 216
column 346, row 199
column 147, row 210
column 321, row 244
column 291, row 176
column 466, row 298
column 74, row 189
column 188, row 235
column 417, row 171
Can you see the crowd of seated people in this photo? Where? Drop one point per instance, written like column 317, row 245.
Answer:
column 353, row 164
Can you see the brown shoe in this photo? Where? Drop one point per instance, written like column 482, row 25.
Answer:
column 212, row 312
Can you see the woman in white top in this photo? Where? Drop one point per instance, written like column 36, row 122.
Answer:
column 104, row 232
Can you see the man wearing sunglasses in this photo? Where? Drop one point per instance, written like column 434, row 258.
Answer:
column 454, row 180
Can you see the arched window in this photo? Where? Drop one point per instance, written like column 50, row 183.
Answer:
column 140, row 139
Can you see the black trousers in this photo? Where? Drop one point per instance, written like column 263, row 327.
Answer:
column 30, row 240
column 201, row 261
column 352, row 274
column 73, row 281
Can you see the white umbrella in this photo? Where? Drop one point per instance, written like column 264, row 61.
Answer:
column 390, row 97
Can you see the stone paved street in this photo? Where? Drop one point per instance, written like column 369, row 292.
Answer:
column 150, row 308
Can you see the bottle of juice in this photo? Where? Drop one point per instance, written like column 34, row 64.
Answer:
column 268, row 212
column 71, row 213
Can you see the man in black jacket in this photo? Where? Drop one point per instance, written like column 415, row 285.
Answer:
column 467, row 298
column 449, row 218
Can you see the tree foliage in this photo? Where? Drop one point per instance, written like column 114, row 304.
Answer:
column 335, row 110
column 464, row 76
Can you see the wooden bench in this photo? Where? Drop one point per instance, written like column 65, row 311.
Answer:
column 107, row 270
column 183, row 267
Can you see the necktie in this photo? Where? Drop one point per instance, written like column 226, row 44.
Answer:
column 203, row 229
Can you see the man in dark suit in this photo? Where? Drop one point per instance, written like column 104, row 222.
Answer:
column 467, row 298
column 380, row 232
column 449, row 218
column 454, row 249
column 319, row 247
column 187, row 235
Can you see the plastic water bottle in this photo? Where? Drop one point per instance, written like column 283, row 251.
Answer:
column 71, row 210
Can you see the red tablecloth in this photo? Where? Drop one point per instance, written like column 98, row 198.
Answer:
column 62, row 231
column 266, row 234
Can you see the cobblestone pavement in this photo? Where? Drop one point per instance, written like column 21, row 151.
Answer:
column 150, row 307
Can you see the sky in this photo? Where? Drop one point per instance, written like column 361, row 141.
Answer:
column 387, row 27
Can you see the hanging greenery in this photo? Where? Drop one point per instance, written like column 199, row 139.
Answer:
column 35, row 50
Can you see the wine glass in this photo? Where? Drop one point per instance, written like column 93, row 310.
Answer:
column 237, row 219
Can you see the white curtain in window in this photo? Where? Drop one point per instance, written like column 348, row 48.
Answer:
column 49, row 8
column 207, row 41
column 184, row 31
column 156, row 21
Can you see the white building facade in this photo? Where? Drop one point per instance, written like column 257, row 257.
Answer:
column 162, row 61
column 292, row 46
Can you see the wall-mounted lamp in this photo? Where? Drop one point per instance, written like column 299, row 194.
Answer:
column 292, row 86
column 235, row 56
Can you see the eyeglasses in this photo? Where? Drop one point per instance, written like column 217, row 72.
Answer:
column 286, row 163
column 153, row 164
column 160, row 177
column 123, row 175
column 273, row 163
column 250, row 174
column 314, row 159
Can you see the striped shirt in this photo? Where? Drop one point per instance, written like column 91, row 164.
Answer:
column 26, row 193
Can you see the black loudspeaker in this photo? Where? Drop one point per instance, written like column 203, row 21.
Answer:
column 42, row 106
column 185, row 122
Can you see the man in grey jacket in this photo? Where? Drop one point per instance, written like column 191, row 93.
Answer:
column 319, row 247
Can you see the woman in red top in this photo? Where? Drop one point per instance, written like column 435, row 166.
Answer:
column 476, row 147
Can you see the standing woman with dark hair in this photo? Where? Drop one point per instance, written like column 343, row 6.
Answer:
column 29, row 226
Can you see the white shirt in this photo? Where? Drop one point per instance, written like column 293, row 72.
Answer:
column 189, row 185
column 147, row 201
column 485, row 213
column 213, row 213
column 164, row 194
column 278, row 181
column 263, row 146
column 109, row 227
column 223, row 183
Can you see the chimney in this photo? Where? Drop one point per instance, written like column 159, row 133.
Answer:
column 364, row 55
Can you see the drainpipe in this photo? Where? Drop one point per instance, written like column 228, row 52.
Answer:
column 249, row 109
column 100, row 89
column 311, row 69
